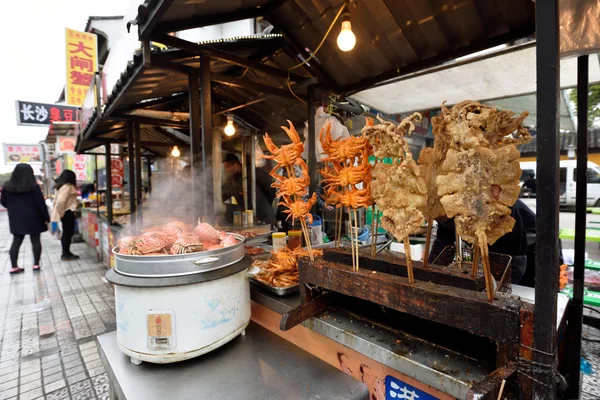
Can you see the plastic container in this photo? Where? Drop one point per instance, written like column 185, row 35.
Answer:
column 317, row 229
column 250, row 218
column 279, row 241
column 237, row 219
column 294, row 239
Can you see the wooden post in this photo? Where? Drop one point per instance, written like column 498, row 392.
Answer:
column 196, row 144
column 207, row 135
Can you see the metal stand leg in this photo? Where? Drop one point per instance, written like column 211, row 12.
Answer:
column 135, row 361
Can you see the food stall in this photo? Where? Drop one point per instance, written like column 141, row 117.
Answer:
column 397, row 326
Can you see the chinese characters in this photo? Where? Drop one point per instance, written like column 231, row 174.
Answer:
column 81, row 65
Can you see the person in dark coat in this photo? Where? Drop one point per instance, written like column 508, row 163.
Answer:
column 27, row 213
column 530, row 183
column 513, row 243
column 233, row 187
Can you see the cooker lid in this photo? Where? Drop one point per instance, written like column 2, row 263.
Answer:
column 123, row 280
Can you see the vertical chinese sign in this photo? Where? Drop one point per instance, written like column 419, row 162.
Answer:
column 82, row 63
column 117, row 172
column 80, row 167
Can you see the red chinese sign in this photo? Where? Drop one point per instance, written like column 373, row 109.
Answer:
column 80, row 167
column 81, row 65
column 117, row 171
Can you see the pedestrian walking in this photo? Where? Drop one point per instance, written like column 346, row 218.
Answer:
column 63, row 210
column 27, row 213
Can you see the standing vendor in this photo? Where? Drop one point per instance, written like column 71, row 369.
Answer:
column 233, row 188
column 513, row 243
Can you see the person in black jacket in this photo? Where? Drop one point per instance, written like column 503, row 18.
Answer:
column 513, row 243
column 233, row 187
column 27, row 213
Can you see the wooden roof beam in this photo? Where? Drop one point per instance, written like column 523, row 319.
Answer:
column 227, row 57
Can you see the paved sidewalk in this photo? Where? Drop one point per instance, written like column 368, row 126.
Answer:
column 48, row 323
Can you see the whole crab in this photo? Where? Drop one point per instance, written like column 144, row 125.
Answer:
column 299, row 209
column 287, row 155
column 345, row 176
column 353, row 199
column 144, row 245
column 342, row 150
column 176, row 227
column 186, row 244
column 290, row 186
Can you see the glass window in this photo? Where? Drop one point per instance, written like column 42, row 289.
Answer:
column 563, row 175
column 525, row 174
column 592, row 176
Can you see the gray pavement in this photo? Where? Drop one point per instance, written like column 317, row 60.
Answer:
column 48, row 323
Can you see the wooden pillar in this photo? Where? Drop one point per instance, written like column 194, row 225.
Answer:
column 311, row 140
column 109, row 207
column 548, row 144
column 207, row 136
column 131, row 164
column 196, row 145
column 138, row 174
column 244, row 172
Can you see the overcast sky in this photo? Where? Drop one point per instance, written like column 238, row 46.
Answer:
column 32, row 64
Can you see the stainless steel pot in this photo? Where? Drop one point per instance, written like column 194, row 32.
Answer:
column 164, row 266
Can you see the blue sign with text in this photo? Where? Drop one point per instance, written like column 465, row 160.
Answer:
column 395, row 389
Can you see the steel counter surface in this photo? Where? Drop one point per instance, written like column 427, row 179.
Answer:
column 443, row 369
column 259, row 365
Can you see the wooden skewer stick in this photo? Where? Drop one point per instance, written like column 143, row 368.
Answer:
column 356, row 234
column 458, row 247
column 376, row 232
column 307, row 238
column 501, row 389
column 372, row 229
column 427, row 242
column 475, row 266
column 339, row 227
column 337, row 238
column 485, row 257
column 409, row 265
column 351, row 239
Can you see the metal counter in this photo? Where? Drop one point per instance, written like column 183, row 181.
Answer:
column 257, row 366
column 448, row 371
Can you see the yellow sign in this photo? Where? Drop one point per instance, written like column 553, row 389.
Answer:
column 82, row 63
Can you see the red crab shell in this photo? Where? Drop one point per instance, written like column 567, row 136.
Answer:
column 222, row 235
column 125, row 241
column 129, row 250
column 229, row 240
column 168, row 238
column 150, row 244
column 214, row 247
column 176, row 227
column 186, row 244
column 206, row 233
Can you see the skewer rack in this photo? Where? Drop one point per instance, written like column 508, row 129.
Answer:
column 439, row 295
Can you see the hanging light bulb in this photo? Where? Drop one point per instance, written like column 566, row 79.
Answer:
column 175, row 152
column 346, row 39
column 229, row 128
